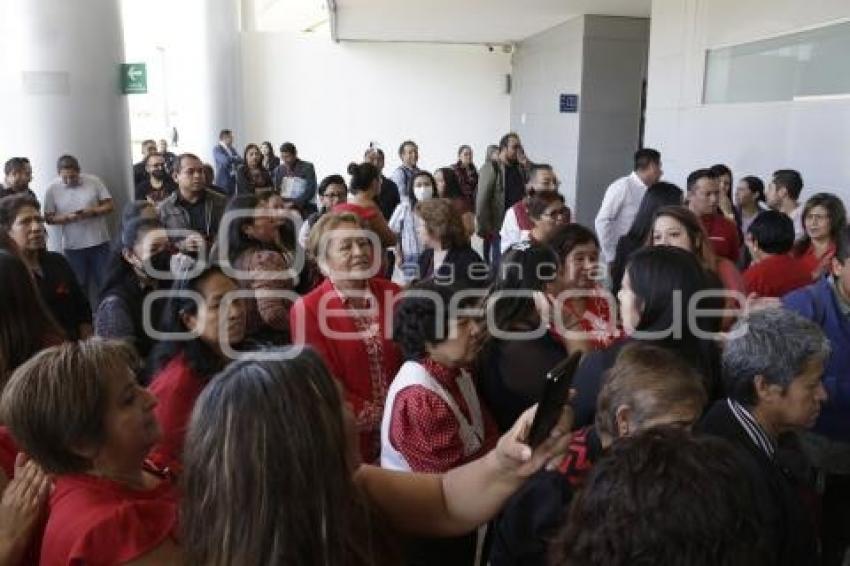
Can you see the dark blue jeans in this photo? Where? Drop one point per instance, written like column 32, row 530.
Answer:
column 89, row 265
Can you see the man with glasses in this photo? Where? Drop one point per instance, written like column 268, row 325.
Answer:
column 332, row 191
column 158, row 185
column 517, row 223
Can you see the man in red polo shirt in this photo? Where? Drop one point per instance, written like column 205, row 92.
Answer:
column 703, row 198
column 774, row 271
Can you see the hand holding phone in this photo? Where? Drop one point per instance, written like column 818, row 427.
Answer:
column 556, row 392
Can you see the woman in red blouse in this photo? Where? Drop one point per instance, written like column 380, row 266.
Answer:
column 78, row 410
column 182, row 368
column 824, row 217
column 433, row 420
column 364, row 187
column 348, row 320
column 587, row 304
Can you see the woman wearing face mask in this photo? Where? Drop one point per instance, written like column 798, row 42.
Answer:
column 406, row 226
column 183, row 367
column 252, row 176
column 657, row 291
column 588, row 306
column 139, row 266
column 648, row 387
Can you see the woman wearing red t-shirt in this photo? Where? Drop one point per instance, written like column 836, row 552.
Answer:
column 364, row 187
column 824, row 217
column 347, row 319
column 586, row 305
column 182, row 368
column 78, row 410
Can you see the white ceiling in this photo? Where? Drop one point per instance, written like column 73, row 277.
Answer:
column 467, row 21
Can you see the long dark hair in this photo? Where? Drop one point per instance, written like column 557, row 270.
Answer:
column 362, row 176
column 451, row 181
column 664, row 280
column 657, row 196
column 837, row 219
column 118, row 271
column 411, row 194
column 200, row 357
column 526, row 268
column 270, row 436
column 25, row 322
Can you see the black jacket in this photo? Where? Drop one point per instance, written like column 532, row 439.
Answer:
column 787, row 524
column 62, row 294
column 457, row 268
column 388, row 198
column 534, row 515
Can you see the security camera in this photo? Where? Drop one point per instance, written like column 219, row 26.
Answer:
column 490, row 48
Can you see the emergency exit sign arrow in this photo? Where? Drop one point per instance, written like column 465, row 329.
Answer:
column 134, row 78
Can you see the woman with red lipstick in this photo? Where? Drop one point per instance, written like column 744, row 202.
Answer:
column 348, row 320
column 79, row 412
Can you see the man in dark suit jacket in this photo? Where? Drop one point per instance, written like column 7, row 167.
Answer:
column 772, row 369
column 227, row 159
column 140, row 175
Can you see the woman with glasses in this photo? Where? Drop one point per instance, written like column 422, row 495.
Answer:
column 547, row 212
column 332, row 191
column 824, row 217
column 518, row 224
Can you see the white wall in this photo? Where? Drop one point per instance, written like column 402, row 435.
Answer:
column 332, row 99
column 752, row 138
column 544, row 66
column 603, row 60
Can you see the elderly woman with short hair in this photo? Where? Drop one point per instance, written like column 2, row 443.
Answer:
column 772, row 368
column 346, row 320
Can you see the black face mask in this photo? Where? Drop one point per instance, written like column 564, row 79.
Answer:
column 160, row 261
column 158, row 174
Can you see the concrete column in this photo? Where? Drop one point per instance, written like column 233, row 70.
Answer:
column 60, row 90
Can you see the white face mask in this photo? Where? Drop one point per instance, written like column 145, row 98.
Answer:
column 423, row 192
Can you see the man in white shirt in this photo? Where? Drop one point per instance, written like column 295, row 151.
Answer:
column 78, row 203
column 783, row 193
column 408, row 152
column 622, row 200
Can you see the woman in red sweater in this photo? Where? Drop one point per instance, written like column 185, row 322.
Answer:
column 348, row 319
column 182, row 368
column 78, row 410
column 824, row 217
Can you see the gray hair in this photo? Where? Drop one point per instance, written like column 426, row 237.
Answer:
column 775, row 343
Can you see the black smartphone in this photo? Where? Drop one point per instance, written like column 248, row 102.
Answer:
column 556, row 393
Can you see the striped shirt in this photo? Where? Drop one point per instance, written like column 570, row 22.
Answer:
column 753, row 429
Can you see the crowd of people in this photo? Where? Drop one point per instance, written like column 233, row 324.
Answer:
column 263, row 368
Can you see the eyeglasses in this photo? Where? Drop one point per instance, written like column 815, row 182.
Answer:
column 335, row 195
column 818, row 217
column 560, row 213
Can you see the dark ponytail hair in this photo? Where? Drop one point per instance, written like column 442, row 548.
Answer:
column 756, row 185
column 362, row 176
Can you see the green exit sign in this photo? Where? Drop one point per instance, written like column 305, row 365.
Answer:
column 134, row 78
